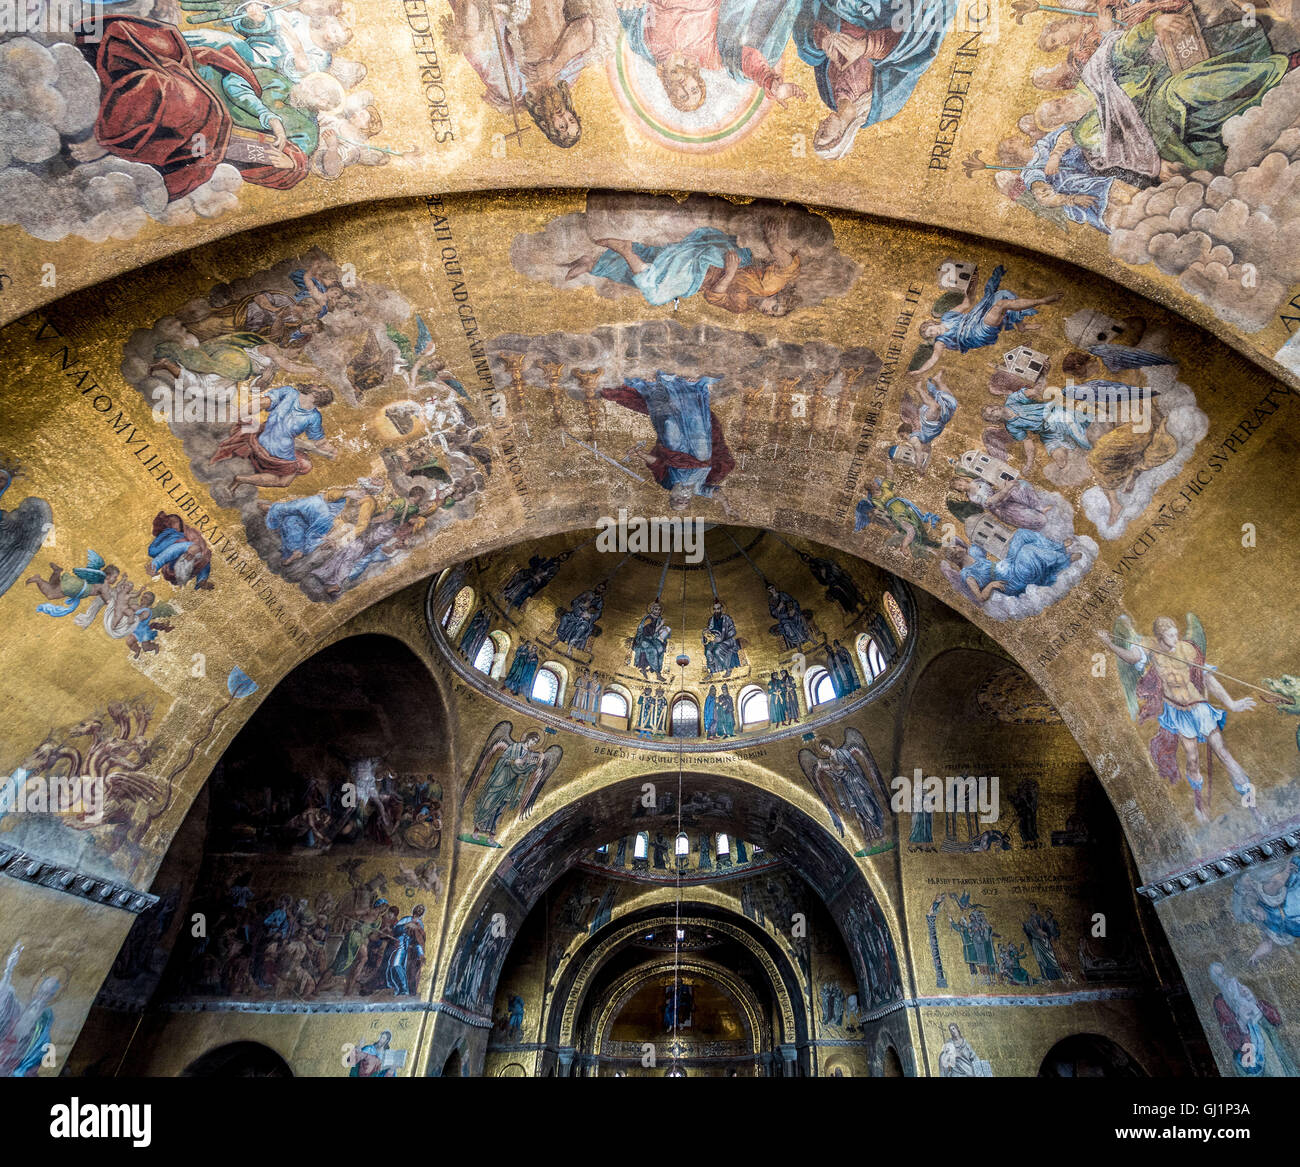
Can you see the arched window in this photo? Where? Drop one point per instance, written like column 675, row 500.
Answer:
column 686, row 717
column 483, row 662
column 724, row 846
column 682, row 848
column 613, row 703
column 753, row 706
column 500, row 643
column 820, row 687
column 870, row 657
column 546, row 687
column 457, row 612
column 641, row 848
column 895, row 614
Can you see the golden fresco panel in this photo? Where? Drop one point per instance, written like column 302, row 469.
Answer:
column 208, row 468
column 1009, row 120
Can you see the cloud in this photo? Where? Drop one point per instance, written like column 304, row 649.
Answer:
column 49, row 98
column 1233, row 240
column 825, row 271
column 1185, row 422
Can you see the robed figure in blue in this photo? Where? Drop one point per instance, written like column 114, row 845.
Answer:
column 690, row 456
column 866, row 66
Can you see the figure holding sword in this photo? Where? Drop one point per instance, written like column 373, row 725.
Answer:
column 528, row 53
column 1165, row 676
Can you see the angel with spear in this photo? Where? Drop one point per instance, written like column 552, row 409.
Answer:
column 1165, row 676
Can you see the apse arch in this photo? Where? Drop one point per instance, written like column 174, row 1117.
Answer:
column 342, row 682
column 584, row 966
column 238, row 1059
column 747, row 795
column 616, row 995
column 502, row 898
column 1089, row 1055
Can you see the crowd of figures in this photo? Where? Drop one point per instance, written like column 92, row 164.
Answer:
column 280, row 946
column 377, row 807
column 1118, row 425
column 839, row 1007
column 992, row 957
column 697, row 62
column 268, row 380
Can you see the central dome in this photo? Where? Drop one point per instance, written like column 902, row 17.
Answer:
column 674, row 632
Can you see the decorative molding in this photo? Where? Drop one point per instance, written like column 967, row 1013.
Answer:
column 1037, row 1000
column 194, row 1005
column 33, row 869
column 1228, row 864
column 597, row 956
column 461, row 1014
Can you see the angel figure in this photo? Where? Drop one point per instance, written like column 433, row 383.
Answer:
column 1269, row 899
column 973, row 323
column 149, row 621
column 22, row 530
column 847, row 776
column 923, row 421
column 518, row 771
column 1051, row 177
column 909, row 523
column 1166, row 677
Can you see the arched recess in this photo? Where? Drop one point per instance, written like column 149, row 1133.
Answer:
column 468, row 975
column 1089, row 1055
column 617, row 994
column 586, row 963
column 239, row 1059
column 346, row 766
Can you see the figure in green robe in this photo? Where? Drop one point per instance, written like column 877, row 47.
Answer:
column 516, row 772
column 1133, row 112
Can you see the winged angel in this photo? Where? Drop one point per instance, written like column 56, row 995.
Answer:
column 1165, row 676
column 847, row 776
column 22, row 530
column 516, row 772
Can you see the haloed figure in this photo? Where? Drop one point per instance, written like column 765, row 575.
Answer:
column 683, row 39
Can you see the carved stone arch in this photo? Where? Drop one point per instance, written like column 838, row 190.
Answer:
column 607, row 945
column 622, row 990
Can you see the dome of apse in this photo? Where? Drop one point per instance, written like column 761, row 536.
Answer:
column 716, row 634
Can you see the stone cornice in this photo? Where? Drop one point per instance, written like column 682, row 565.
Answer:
column 1228, row 864
column 27, row 868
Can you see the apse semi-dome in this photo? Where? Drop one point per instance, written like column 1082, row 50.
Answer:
column 726, row 634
